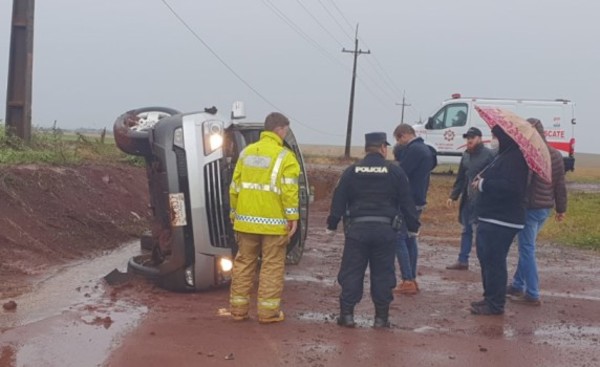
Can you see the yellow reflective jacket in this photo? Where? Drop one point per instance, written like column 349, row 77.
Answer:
column 264, row 188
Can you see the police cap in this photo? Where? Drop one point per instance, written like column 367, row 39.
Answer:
column 375, row 139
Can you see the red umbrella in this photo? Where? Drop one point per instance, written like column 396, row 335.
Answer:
column 531, row 144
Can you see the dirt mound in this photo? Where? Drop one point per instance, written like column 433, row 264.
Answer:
column 51, row 215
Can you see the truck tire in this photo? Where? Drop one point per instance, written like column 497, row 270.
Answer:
column 147, row 241
column 132, row 129
column 295, row 254
column 295, row 248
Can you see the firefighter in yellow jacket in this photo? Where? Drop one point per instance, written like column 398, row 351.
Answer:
column 264, row 211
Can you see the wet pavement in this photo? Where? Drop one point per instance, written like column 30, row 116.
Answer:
column 73, row 319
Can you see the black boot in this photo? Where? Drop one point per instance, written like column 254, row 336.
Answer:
column 381, row 317
column 346, row 318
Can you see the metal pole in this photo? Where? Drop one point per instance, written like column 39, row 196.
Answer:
column 20, row 70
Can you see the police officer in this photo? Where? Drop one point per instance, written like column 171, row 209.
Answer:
column 373, row 196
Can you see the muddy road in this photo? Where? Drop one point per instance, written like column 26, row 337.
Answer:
column 72, row 318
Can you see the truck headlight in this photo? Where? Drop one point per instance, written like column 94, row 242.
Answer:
column 189, row 276
column 225, row 264
column 213, row 136
column 178, row 138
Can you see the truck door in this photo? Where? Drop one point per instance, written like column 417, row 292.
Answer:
column 445, row 128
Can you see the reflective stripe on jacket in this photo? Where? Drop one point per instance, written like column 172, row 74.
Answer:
column 264, row 188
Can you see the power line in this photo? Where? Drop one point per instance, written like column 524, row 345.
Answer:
column 336, row 21
column 299, row 30
column 385, row 77
column 342, row 14
column 296, row 28
column 395, row 91
column 238, row 76
column 319, row 22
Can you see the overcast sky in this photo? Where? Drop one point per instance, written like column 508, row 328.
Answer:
column 94, row 59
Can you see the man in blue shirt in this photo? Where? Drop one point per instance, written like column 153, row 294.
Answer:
column 417, row 159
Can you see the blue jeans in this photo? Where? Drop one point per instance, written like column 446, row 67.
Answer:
column 466, row 237
column 407, row 252
column 526, row 275
column 493, row 242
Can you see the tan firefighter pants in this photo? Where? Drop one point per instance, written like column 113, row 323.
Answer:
column 270, row 283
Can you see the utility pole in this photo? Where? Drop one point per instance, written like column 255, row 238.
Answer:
column 356, row 52
column 403, row 104
column 20, row 70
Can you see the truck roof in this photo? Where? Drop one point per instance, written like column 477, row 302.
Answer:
column 518, row 100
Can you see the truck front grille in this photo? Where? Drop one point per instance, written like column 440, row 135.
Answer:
column 215, row 208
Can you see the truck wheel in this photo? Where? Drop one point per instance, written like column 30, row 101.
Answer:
column 132, row 129
column 295, row 254
column 147, row 241
column 142, row 265
column 295, row 249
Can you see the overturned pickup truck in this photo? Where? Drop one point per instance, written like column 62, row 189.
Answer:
column 190, row 158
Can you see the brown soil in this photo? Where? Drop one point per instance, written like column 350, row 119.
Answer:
column 53, row 215
column 433, row 328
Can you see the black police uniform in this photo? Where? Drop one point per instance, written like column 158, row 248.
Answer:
column 369, row 195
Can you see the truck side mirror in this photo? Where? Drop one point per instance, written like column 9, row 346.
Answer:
column 429, row 124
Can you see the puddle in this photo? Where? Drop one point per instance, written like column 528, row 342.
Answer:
column 429, row 329
column 319, row 348
column 326, row 318
column 78, row 283
column 65, row 320
column 566, row 335
column 308, row 278
column 72, row 339
column 570, row 295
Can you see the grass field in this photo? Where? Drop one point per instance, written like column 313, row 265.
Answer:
column 56, row 147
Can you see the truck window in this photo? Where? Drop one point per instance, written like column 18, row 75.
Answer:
column 453, row 115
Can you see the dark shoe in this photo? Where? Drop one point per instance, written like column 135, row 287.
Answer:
column 513, row 292
column 484, row 310
column 346, row 320
column 478, row 303
column 458, row 266
column 381, row 322
column 526, row 300
column 382, row 317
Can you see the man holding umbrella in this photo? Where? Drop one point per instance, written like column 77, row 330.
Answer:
column 502, row 187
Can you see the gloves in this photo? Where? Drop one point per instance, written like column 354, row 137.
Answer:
column 413, row 234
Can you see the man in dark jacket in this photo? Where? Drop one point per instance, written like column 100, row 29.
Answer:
column 472, row 162
column 372, row 195
column 541, row 198
column 418, row 160
column 501, row 215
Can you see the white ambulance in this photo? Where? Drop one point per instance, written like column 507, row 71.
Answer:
column 444, row 129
